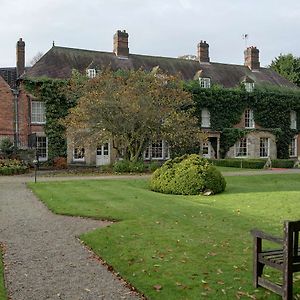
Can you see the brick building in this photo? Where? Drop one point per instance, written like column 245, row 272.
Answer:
column 28, row 116
column 22, row 116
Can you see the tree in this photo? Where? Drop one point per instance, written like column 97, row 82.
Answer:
column 131, row 109
column 36, row 58
column 288, row 66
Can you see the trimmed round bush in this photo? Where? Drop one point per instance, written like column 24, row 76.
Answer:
column 187, row 175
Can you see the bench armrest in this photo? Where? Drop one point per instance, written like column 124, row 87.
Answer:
column 263, row 235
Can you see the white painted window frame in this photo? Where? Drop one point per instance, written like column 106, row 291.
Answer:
column 91, row 73
column 204, row 82
column 249, row 118
column 263, row 147
column 79, row 159
column 249, row 86
column 165, row 151
column 37, row 148
column 293, row 147
column 237, row 148
column 205, row 118
column 293, row 116
column 38, row 112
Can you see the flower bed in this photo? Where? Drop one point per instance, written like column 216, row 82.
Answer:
column 12, row 167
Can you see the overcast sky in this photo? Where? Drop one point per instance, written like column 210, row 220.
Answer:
column 156, row 27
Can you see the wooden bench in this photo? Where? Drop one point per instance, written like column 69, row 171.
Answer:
column 285, row 259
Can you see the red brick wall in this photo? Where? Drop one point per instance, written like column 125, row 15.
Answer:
column 25, row 126
column 6, row 110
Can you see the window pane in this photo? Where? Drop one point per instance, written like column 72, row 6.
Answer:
column 264, row 147
column 205, row 118
column 79, row 153
column 249, row 119
column 38, row 112
column 241, row 148
column 41, row 147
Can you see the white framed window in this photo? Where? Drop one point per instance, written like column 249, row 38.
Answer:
column 42, row 148
column 293, row 148
column 204, row 83
column 91, row 73
column 249, row 86
column 78, row 154
column 293, row 119
column 264, row 147
column 249, row 119
column 158, row 150
column 38, row 115
column 241, row 148
column 205, row 118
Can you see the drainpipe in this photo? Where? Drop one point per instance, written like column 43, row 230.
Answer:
column 16, row 118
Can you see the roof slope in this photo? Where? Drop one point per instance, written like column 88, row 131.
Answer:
column 59, row 62
column 10, row 76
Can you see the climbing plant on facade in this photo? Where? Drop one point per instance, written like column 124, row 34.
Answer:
column 271, row 107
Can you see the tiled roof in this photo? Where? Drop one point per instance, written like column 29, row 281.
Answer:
column 59, row 62
column 9, row 75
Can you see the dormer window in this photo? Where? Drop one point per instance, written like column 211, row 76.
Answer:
column 249, row 86
column 205, row 118
column 91, row 73
column 249, row 119
column 293, row 120
column 204, row 83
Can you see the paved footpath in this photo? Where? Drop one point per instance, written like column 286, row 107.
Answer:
column 44, row 259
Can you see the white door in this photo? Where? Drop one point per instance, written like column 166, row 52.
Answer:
column 206, row 150
column 103, row 155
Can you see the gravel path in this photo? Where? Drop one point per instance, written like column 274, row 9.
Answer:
column 44, row 259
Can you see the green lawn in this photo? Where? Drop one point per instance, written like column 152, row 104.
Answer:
column 2, row 287
column 189, row 247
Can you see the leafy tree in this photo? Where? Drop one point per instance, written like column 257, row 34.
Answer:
column 288, row 66
column 131, row 109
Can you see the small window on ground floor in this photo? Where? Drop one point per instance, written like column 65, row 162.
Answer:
column 293, row 147
column 42, row 148
column 264, row 147
column 241, row 148
column 158, row 150
column 78, row 154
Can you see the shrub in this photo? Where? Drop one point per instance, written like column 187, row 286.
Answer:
column 282, row 163
column 12, row 167
column 240, row 163
column 60, row 163
column 153, row 166
column 187, row 175
column 126, row 166
column 6, row 147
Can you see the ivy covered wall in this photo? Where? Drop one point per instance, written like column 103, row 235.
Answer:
column 53, row 93
column 271, row 107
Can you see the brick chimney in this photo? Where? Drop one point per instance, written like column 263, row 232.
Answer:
column 203, row 52
column 252, row 58
column 20, row 57
column 121, row 43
